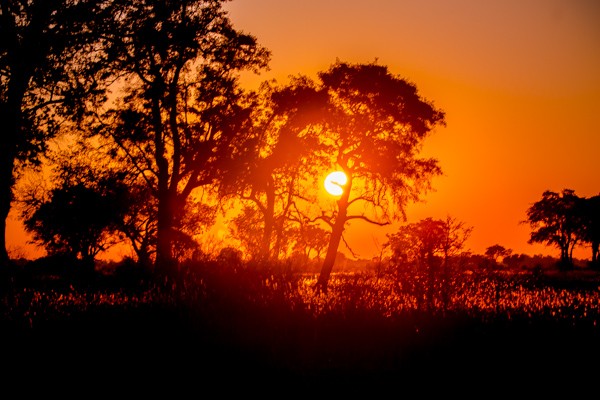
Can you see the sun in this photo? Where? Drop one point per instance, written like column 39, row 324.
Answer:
column 334, row 183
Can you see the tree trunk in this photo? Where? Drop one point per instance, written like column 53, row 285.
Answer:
column 164, row 263
column 334, row 241
column 164, row 251
column 265, row 249
column 431, row 282
column 10, row 115
column 6, row 183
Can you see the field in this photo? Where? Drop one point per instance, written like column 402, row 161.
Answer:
column 267, row 326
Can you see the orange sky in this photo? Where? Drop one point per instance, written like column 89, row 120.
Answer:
column 519, row 81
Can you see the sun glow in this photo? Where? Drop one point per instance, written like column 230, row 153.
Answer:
column 334, row 183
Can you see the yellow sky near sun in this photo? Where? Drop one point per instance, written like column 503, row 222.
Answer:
column 519, row 81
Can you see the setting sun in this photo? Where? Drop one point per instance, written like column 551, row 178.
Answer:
column 334, row 183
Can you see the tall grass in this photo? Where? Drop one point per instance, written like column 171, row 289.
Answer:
column 236, row 318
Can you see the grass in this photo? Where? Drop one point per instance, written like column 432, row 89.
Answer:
column 267, row 326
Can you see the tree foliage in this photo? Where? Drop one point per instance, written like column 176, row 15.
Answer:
column 565, row 220
column 80, row 218
column 182, row 119
column 49, row 68
column 421, row 251
column 591, row 226
column 496, row 251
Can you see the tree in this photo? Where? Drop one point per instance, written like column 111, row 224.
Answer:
column 182, row 121
column 246, row 227
column 590, row 210
column 421, row 248
column 280, row 157
column 310, row 239
column 454, row 236
column 420, row 244
column 48, row 70
column 376, row 124
column 496, row 252
column 555, row 220
column 79, row 219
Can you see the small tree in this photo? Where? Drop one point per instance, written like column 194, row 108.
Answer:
column 421, row 248
column 497, row 252
column 79, row 220
column 282, row 153
column 420, row 244
column 590, row 210
column 182, row 116
column 48, row 71
column 556, row 221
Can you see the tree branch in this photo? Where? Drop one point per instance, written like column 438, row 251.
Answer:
column 349, row 248
column 367, row 219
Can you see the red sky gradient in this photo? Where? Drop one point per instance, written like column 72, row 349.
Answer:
column 519, row 82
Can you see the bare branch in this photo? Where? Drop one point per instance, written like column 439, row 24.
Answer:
column 367, row 219
column 349, row 248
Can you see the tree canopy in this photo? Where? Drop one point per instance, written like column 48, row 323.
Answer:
column 182, row 114
column 375, row 126
column 50, row 66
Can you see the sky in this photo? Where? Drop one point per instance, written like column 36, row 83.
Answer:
column 519, row 81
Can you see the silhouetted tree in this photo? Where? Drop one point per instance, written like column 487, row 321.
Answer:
column 556, row 220
column 310, row 239
column 455, row 235
column 375, row 128
column 421, row 244
column 182, row 119
column 79, row 219
column 48, row 69
column 496, row 252
column 281, row 157
column 590, row 233
column 246, row 227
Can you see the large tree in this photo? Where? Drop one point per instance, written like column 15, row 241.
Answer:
column 182, row 120
column 376, row 125
column 48, row 69
column 556, row 220
column 590, row 233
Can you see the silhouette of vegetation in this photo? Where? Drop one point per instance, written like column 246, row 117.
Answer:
column 243, row 323
column 375, row 125
column 497, row 252
column 423, row 251
column 590, row 208
column 283, row 153
column 82, row 215
column 564, row 220
column 49, row 69
column 182, row 114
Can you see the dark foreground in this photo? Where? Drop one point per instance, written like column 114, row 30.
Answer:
column 59, row 337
